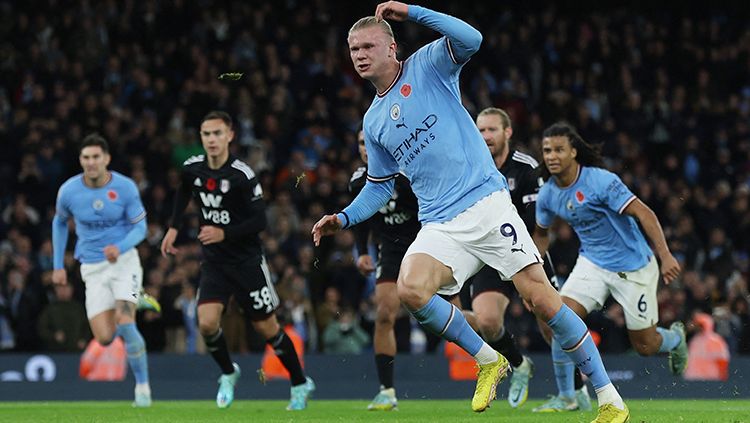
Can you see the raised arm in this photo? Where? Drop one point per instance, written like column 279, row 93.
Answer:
column 464, row 39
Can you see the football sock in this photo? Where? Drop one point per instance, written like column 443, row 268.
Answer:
column 217, row 346
column 670, row 339
column 136, row 348
column 607, row 394
column 564, row 370
column 444, row 319
column 574, row 338
column 506, row 345
column 284, row 349
column 577, row 379
column 384, row 364
column 486, row 354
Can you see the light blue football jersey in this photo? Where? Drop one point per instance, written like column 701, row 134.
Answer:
column 593, row 206
column 103, row 215
column 419, row 127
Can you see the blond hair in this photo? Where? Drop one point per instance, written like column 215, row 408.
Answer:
column 368, row 21
column 504, row 118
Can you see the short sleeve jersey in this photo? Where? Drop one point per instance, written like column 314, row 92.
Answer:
column 593, row 206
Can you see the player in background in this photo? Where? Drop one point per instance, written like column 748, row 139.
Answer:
column 417, row 125
column 614, row 258
column 232, row 214
column 110, row 221
column 395, row 226
column 490, row 295
column 485, row 293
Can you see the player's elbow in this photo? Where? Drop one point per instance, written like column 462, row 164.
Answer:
column 474, row 41
column 140, row 230
column 471, row 42
column 59, row 221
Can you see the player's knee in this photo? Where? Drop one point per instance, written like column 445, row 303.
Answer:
column 105, row 340
column 385, row 316
column 490, row 325
column 544, row 303
column 541, row 307
column 413, row 296
column 208, row 327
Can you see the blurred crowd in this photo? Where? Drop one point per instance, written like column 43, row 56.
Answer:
column 665, row 94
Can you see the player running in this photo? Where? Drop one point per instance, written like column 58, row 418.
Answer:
column 614, row 258
column 232, row 214
column 395, row 226
column 486, row 294
column 110, row 221
column 418, row 126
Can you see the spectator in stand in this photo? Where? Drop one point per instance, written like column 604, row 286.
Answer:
column 63, row 326
column 708, row 353
column 344, row 335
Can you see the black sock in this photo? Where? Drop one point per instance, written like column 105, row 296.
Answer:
column 284, row 349
column 217, row 346
column 384, row 363
column 577, row 379
column 506, row 346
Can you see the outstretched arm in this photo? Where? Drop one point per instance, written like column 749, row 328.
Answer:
column 372, row 197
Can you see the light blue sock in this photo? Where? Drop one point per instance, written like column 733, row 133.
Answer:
column 670, row 339
column 136, row 348
column 444, row 319
column 564, row 370
column 575, row 340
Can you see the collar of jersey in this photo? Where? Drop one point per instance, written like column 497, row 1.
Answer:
column 578, row 176
column 398, row 75
column 109, row 181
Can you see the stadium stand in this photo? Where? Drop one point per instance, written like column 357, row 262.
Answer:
column 666, row 95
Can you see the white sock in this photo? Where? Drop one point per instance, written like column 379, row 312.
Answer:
column 143, row 388
column 607, row 394
column 486, row 354
column 524, row 362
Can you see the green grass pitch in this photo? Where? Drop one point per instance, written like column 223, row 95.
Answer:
column 656, row 411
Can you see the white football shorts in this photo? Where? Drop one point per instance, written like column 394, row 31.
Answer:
column 591, row 285
column 490, row 232
column 106, row 282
